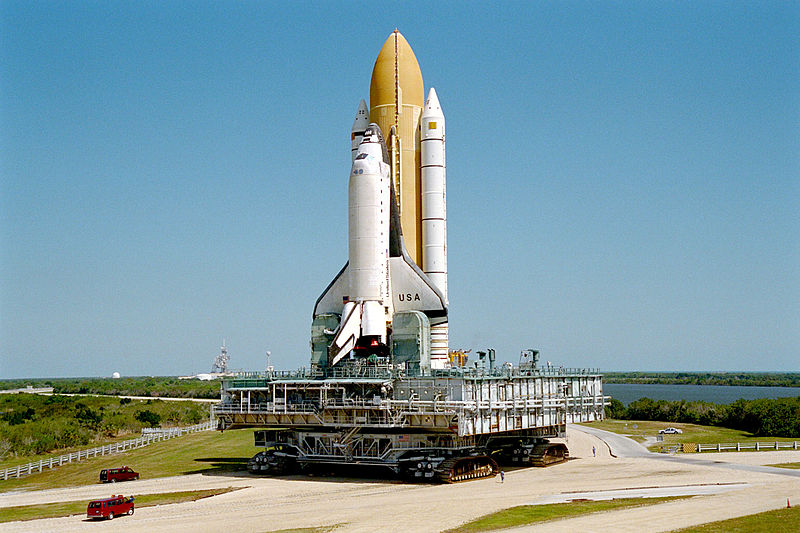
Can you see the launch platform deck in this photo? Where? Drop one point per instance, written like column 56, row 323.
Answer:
column 471, row 401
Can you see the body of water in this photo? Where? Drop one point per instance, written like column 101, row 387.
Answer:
column 626, row 393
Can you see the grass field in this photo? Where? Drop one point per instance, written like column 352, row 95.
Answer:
column 793, row 466
column 55, row 510
column 776, row 521
column 530, row 514
column 11, row 462
column 204, row 452
column 691, row 432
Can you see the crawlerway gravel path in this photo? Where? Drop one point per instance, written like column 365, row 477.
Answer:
column 731, row 484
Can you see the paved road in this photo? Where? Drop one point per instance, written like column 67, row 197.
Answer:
column 647, row 492
column 165, row 398
column 624, row 447
column 619, row 445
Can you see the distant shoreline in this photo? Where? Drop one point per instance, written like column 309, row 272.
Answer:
column 737, row 379
column 717, row 394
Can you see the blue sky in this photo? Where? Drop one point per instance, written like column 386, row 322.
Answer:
column 623, row 179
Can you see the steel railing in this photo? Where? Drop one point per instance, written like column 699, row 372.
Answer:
column 237, row 407
column 258, row 379
column 147, row 438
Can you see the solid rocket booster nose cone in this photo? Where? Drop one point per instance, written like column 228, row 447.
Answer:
column 362, row 117
column 432, row 103
column 396, row 64
column 359, row 125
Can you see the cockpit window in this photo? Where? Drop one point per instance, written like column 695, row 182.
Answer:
column 362, row 156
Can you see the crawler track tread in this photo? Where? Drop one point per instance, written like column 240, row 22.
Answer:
column 549, row 454
column 457, row 469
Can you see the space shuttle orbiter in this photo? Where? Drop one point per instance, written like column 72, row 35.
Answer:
column 396, row 195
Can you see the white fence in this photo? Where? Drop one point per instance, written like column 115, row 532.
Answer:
column 739, row 446
column 146, row 439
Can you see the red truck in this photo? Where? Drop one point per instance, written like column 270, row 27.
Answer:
column 112, row 475
column 110, row 507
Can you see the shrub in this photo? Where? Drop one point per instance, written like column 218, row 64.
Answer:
column 148, row 417
column 762, row 418
column 87, row 416
column 18, row 417
column 615, row 409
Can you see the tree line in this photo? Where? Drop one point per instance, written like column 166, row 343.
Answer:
column 741, row 379
column 148, row 386
column 762, row 418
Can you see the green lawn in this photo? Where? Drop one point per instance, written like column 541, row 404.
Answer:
column 207, row 451
column 529, row 514
column 55, row 510
column 776, row 521
column 11, row 462
column 794, row 466
column 691, row 432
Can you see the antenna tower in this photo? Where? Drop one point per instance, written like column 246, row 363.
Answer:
column 221, row 361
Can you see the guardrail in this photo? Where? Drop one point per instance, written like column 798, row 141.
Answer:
column 146, row 439
column 757, row 446
column 690, row 447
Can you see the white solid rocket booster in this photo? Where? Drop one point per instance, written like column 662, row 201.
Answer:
column 434, row 214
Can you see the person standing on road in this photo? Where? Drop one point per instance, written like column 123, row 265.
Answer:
column 594, row 452
column 502, row 477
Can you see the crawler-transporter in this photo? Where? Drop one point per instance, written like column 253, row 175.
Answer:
column 446, row 425
column 383, row 388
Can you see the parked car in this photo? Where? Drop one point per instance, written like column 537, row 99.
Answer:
column 110, row 507
column 112, row 475
column 670, row 430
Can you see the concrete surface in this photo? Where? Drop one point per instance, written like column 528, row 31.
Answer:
column 359, row 505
